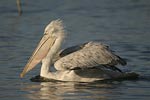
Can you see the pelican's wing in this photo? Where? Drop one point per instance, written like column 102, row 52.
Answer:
column 70, row 50
column 87, row 55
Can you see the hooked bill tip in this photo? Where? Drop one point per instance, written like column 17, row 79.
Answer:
column 21, row 75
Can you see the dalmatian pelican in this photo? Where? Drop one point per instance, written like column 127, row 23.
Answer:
column 86, row 62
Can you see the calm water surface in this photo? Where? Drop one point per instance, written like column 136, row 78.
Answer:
column 123, row 24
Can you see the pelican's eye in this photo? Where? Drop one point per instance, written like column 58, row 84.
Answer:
column 54, row 32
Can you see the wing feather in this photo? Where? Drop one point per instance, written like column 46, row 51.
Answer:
column 90, row 55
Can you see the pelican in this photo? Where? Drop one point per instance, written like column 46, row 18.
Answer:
column 87, row 62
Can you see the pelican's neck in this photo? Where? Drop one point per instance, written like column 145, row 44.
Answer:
column 48, row 60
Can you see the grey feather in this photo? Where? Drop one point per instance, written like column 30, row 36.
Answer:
column 87, row 55
column 70, row 50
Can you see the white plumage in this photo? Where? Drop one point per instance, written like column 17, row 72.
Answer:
column 85, row 63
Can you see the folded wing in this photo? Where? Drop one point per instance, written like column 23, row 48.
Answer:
column 87, row 55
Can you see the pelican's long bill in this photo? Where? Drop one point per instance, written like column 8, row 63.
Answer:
column 39, row 53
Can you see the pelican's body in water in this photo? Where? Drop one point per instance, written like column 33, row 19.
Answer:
column 87, row 62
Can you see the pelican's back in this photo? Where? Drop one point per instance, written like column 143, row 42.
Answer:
column 89, row 55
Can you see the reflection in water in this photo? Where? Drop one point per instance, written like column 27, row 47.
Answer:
column 70, row 90
column 123, row 24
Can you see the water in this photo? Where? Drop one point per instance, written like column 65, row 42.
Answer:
column 123, row 24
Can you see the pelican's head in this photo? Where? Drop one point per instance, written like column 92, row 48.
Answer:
column 53, row 34
column 55, row 28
